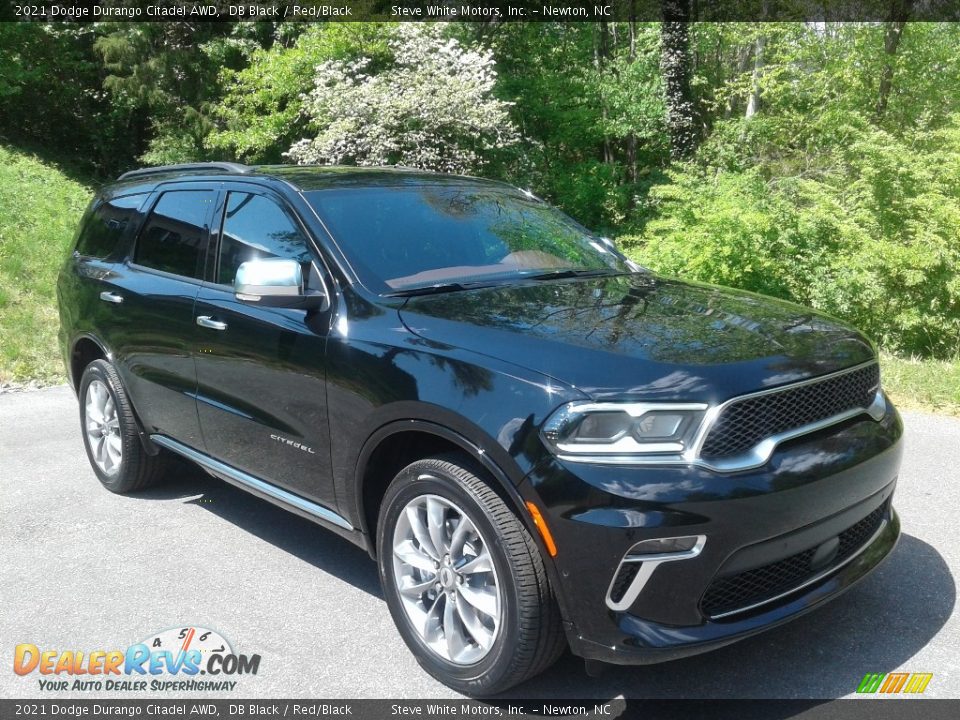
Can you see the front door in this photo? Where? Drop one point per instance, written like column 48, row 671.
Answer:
column 261, row 393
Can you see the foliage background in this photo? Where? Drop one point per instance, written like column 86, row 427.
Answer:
column 817, row 162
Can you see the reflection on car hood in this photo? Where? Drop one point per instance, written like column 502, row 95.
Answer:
column 641, row 335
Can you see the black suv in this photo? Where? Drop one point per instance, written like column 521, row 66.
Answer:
column 542, row 444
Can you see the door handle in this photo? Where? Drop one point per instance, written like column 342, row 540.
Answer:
column 208, row 322
column 111, row 297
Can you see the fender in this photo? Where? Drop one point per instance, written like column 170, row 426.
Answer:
column 149, row 446
column 478, row 454
column 108, row 354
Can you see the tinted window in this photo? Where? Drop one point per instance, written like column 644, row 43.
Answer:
column 106, row 226
column 431, row 234
column 175, row 233
column 256, row 227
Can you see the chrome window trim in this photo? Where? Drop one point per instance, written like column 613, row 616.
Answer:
column 809, row 581
column 760, row 453
column 245, row 479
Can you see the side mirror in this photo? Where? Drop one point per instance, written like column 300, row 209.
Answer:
column 275, row 282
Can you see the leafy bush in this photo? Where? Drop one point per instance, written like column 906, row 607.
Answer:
column 867, row 230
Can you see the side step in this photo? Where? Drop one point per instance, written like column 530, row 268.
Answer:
column 256, row 485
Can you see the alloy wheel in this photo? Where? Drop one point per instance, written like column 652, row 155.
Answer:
column 102, row 426
column 446, row 579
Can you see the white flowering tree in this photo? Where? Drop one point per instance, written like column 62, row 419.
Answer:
column 433, row 108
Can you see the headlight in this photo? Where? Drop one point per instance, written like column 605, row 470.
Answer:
column 582, row 429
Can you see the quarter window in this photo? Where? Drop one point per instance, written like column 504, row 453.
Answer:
column 174, row 236
column 256, row 227
column 107, row 225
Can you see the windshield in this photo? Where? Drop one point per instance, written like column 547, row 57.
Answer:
column 403, row 238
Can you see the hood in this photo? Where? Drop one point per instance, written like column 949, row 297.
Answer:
column 641, row 336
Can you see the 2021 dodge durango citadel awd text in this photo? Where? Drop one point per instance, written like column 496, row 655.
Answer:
column 542, row 444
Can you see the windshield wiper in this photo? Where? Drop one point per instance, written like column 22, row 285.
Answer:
column 432, row 289
column 571, row 273
column 448, row 287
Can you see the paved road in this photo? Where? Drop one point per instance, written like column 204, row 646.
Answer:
column 85, row 569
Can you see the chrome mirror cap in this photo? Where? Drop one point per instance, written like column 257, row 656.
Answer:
column 268, row 277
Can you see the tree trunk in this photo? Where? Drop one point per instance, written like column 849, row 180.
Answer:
column 899, row 12
column 601, row 56
column 753, row 102
column 632, row 136
column 675, row 62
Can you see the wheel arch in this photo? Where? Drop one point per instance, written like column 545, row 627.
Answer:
column 84, row 350
column 395, row 445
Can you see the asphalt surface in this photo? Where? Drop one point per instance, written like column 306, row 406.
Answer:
column 84, row 569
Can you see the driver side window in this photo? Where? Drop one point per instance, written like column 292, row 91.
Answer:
column 256, row 227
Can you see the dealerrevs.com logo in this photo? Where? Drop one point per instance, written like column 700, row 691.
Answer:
column 169, row 661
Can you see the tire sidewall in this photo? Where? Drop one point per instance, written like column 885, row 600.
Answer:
column 488, row 671
column 98, row 370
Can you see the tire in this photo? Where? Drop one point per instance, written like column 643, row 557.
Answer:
column 486, row 652
column 111, row 433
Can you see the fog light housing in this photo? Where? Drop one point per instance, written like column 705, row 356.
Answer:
column 661, row 546
column 646, row 556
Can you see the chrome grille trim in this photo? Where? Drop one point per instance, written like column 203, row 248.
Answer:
column 839, row 389
column 760, row 453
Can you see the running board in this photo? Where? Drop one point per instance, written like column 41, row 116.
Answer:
column 246, row 480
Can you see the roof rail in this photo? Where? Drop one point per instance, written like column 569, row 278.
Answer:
column 229, row 167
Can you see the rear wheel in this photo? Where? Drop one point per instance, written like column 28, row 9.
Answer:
column 464, row 580
column 111, row 435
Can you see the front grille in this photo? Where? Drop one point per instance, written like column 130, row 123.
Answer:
column 853, row 538
column 744, row 423
column 726, row 595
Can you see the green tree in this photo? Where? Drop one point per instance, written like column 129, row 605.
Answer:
column 261, row 113
column 162, row 77
column 50, row 98
column 588, row 100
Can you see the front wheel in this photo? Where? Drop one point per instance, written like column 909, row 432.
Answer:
column 464, row 580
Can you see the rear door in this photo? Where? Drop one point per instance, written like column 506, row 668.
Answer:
column 154, row 293
column 86, row 285
column 261, row 390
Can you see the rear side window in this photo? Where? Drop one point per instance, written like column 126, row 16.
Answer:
column 175, row 235
column 256, row 227
column 106, row 226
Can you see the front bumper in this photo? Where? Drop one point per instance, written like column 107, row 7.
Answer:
column 811, row 494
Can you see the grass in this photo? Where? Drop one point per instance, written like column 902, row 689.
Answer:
column 40, row 207
column 919, row 384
